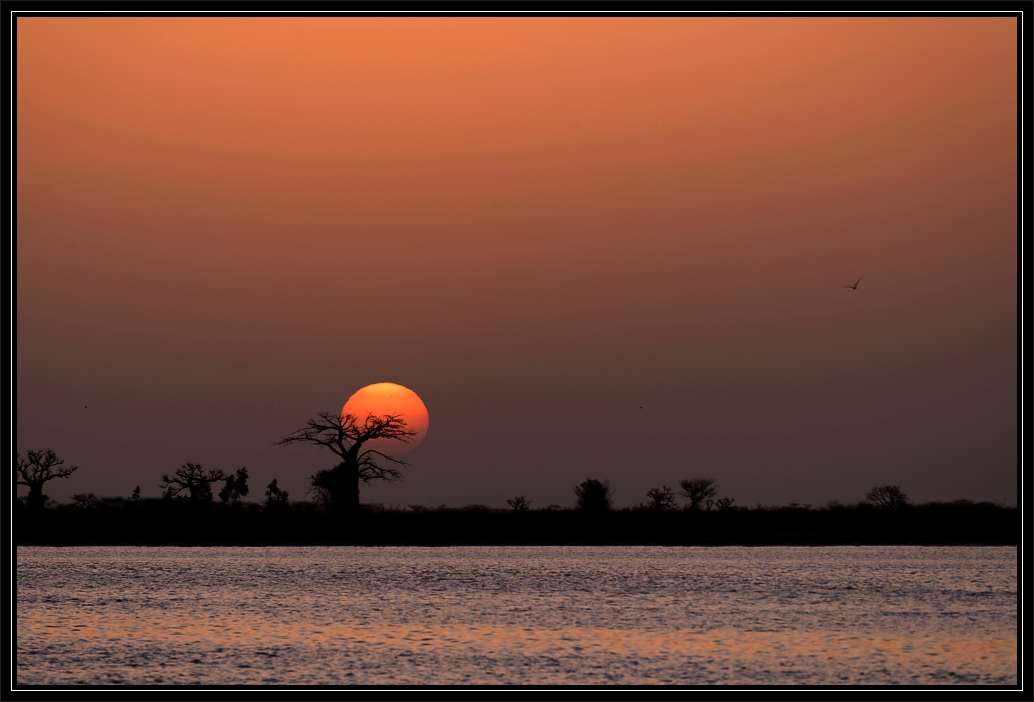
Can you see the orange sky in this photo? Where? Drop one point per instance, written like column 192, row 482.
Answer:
column 226, row 225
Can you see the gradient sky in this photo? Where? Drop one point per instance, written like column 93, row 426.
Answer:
column 227, row 225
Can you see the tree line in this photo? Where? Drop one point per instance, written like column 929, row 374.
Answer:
column 337, row 488
column 333, row 489
column 694, row 513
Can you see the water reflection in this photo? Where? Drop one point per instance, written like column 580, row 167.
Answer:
column 517, row 615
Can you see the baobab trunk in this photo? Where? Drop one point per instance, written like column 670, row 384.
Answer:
column 35, row 500
column 343, row 488
column 350, row 486
column 351, row 496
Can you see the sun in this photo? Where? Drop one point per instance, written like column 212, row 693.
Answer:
column 390, row 398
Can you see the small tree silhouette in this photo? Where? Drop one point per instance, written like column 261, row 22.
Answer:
column 40, row 467
column 887, row 497
column 192, row 478
column 275, row 497
column 661, row 498
column 725, row 503
column 85, row 500
column 593, row 495
column 236, row 487
column 519, row 503
column 698, row 490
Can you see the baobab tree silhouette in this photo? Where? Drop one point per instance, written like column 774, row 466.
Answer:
column 887, row 497
column 40, row 467
column 193, row 478
column 698, row 491
column 345, row 436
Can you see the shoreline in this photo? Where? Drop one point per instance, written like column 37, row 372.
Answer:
column 346, row 544
column 181, row 523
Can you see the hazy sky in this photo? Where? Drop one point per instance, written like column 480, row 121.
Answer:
column 227, row 225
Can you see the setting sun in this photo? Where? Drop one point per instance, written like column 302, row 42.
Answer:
column 390, row 398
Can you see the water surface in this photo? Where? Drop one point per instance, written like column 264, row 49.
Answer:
column 865, row 615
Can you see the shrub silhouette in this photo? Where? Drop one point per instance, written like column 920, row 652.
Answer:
column 887, row 497
column 235, row 487
column 276, row 499
column 594, row 496
column 519, row 503
column 661, row 498
column 85, row 500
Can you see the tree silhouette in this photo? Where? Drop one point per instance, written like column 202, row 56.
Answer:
column 887, row 497
column 519, row 503
column 593, row 495
column 37, row 468
column 725, row 503
column 192, row 478
column 85, row 500
column 661, row 498
column 698, row 490
column 275, row 497
column 236, row 487
column 345, row 435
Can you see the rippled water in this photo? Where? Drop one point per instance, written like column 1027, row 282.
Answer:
column 521, row 615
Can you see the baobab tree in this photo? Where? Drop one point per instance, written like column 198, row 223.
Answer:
column 192, row 478
column 698, row 490
column 519, row 503
column 346, row 437
column 37, row 468
column 887, row 497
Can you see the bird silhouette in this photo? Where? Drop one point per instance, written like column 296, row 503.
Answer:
column 640, row 406
column 855, row 286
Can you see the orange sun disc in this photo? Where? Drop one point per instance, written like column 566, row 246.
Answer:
column 389, row 398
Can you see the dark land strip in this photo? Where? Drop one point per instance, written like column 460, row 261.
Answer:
column 180, row 522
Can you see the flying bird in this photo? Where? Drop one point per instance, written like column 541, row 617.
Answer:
column 855, row 286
